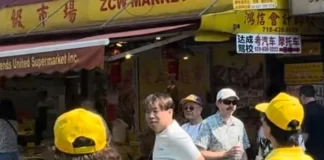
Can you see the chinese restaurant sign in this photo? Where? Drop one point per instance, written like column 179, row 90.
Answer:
column 304, row 73
column 268, row 44
column 64, row 14
column 259, row 4
column 49, row 62
column 258, row 21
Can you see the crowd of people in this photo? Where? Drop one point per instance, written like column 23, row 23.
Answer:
column 289, row 130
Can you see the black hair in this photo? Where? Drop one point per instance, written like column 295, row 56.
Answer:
column 284, row 138
column 7, row 110
column 307, row 91
column 83, row 142
column 43, row 93
column 108, row 153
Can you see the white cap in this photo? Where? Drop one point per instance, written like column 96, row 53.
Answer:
column 226, row 93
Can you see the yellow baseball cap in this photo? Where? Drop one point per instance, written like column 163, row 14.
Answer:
column 282, row 110
column 79, row 123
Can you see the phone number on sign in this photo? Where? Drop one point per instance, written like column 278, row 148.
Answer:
column 281, row 29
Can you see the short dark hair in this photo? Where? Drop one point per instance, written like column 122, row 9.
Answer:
column 284, row 138
column 164, row 101
column 7, row 110
column 307, row 91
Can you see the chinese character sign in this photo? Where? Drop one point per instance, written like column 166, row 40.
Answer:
column 268, row 44
column 304, row 73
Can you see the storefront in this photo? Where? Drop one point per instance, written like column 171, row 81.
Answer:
column 264, row 31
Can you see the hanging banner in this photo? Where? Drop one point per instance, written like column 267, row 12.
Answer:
column 268, row 44
column 258, row 21
column 259, row 4
column 304, row 73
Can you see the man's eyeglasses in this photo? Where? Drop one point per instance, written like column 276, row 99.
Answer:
column 190, row 108
column 228, row 102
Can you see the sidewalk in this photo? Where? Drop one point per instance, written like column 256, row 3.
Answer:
column 37, row 152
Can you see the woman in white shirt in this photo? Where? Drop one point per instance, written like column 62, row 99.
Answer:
column 192, row 108
column 8, row 133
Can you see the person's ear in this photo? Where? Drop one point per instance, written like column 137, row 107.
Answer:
column 170, row 111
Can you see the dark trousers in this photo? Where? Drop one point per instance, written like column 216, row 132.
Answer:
column 40, row 127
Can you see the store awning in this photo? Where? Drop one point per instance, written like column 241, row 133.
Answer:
column 63, row 55
column 272, row 21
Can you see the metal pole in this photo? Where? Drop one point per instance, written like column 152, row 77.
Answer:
column 44, row 20
column 115, row 15
column 209, row 6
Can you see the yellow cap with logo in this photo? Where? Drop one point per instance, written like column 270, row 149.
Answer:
column 282, row 110
column 79, row 123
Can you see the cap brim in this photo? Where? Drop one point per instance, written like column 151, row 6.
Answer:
column 230, row 97
column 185, row 100
column 262, row 107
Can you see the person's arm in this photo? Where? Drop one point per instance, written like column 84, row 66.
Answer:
column 210, row 155
column 306, row 125
column 246, row 144
column 203, row 141
column 245, row 157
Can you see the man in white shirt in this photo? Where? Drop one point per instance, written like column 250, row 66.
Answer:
column 222, row 135
column 192, row 108
column 171, row 141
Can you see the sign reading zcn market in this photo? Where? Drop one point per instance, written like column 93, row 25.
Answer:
column 60, row 14
column 268, row 44
column 37, row 61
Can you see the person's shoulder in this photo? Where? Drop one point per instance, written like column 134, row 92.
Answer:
column 300, row 157
column 209, row 120
column 185, row 125
column 237, row 121
column 307, row 157
column 176, row 132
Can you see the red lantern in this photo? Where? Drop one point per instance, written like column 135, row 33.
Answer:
column 173, row 67
column 111, row 112
column 173, row 62
column 115, row 73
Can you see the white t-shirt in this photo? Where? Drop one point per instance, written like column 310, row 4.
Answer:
column 192, row 130
column 174, row 144
column 8, row 137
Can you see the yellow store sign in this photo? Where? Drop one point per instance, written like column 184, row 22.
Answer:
column 259, row 4
column 304, row 73
column 61, row 14
column 257, row 21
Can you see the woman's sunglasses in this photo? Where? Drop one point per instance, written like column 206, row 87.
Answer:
column 228, row 102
